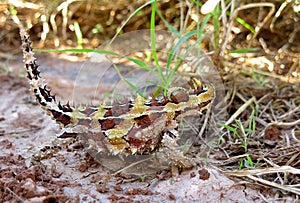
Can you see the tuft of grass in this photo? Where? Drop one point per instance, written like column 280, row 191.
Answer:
column 171, row 181
column 239, row 133
column 258, row 78
column 142, row 177
column 154, row 51
column 176, row 55
column 248, row 163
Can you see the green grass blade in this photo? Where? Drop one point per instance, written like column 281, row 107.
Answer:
column 169, row 26
column 205, row 21
column 229, row 128
column 170, row 76
column 183, row 39
column 197, row 3
column 130, row 16
column 172, row 54
column 245, row 24
column 216, row 14
column 132, row 86
column 78, row 34
column 245, row 50
column 153, row 41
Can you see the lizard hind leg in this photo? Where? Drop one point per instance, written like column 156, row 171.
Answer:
column 172, row 152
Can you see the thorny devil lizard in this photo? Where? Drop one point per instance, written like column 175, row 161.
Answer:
column 139, row 127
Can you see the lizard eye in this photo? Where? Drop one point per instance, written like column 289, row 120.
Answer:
column 177, row 95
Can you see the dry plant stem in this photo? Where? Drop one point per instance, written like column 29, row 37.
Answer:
column 263, row 197
column 205, row 123
column 264, row 97
column 226, row 154
column 273, row 116
column 264, row 45
column 223, row 14
column 290, row 161
column 282, row 169
column 45, row 31
column 279, row 179
column 297, row 162
column 233, row 159
column 241, row 97
column 270, row 162
column 257, row 28
column 64, row 8
column 278, row 13
column 261, row 121
column 289, row 113
column 288, row 154
column 294, row 136
column 282, row 78
column 181, row 17
column 226, row 98
column 285, row 124
column 266, row 107
column 21, row 4
column 292, row 38
column 289, row 188
column 184, row 22
column 288, row 143
column 295, row 65
column 190, row 26
column 239, row 111
column 125, row 21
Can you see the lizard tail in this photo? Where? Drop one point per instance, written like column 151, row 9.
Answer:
column 62, row 114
